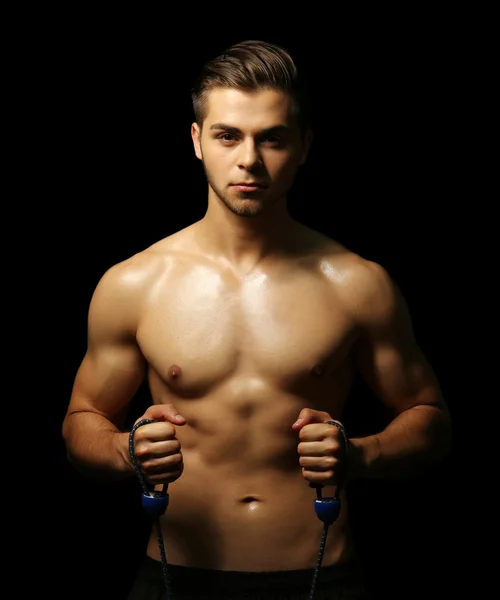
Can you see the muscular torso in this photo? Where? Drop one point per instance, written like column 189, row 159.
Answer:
column 240, row 357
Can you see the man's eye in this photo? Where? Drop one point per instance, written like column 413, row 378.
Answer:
column 273, row 141
column 226, row 137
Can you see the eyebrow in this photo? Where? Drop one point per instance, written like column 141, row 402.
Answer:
column 235, row 130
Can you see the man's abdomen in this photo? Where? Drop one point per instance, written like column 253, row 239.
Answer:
column 264, row 522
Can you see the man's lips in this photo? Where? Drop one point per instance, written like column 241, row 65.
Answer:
column 249, row 185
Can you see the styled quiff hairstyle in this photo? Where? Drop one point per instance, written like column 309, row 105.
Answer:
column 250, row 66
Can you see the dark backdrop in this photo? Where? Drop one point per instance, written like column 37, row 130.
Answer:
column 384, row 177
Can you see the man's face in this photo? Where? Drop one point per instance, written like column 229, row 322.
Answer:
column 250, row 147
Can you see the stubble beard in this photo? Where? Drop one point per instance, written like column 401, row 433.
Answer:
column 244, row 206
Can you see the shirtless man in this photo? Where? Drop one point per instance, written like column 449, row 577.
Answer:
column 249, row 327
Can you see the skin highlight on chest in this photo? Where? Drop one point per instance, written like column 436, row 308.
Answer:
column 199, row 335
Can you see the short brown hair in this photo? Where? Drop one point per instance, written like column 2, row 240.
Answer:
column 249, row 66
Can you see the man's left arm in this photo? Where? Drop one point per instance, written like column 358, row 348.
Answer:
column 393, row 365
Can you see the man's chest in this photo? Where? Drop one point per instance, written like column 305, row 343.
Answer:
column 282, row 331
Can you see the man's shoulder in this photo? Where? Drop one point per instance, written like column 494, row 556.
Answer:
column 343, row 264
column 364, row 286
column 127, row 280
column 127, row 286
column 147, row 264
column 132, row 271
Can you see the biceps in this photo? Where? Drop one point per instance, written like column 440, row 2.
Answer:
column 400, row 376
column 107, row 380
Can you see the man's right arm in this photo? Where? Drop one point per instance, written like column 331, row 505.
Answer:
column 107, row 380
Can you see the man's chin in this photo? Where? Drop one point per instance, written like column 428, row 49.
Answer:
column 248, row 207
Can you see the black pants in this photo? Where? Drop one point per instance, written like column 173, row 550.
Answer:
column 344, row 582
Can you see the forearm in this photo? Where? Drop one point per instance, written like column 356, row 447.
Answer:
column 96, row 448
column 413, row 442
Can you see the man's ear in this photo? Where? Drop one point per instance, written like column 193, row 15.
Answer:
column 196, row 137
column 308, row 139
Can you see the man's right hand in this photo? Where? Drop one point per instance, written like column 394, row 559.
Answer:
column 156, row 448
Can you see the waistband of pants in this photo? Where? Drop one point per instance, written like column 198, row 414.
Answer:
column 152, row 570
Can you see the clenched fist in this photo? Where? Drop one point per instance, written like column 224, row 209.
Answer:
column 322, row 448
column 156, row 448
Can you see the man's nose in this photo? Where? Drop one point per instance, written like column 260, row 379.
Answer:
column 249, row 156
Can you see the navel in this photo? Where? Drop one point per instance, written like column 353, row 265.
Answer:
column 174, row 371
column 251, row 502
column 249, row 499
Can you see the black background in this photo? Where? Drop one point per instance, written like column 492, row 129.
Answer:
column 385, row 176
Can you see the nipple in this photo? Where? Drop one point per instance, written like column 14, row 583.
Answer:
column 174, row 371
column 318, row 370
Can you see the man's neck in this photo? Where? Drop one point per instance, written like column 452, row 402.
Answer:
column 244, row 242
